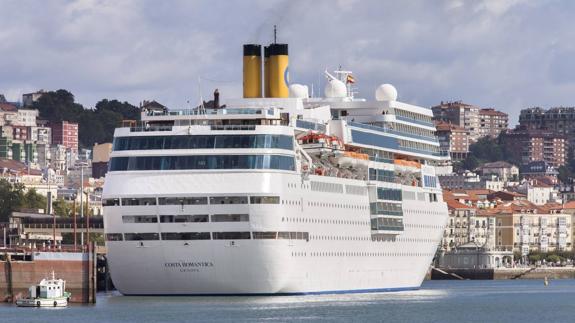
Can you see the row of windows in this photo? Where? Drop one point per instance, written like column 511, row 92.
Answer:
column 186, row 218
column 201, row 200
column 324, row 221
column 202, row 162
column 233, row 235
column 360, row 254
column 203, row 142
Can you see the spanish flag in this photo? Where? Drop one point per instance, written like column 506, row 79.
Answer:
column 350, row 79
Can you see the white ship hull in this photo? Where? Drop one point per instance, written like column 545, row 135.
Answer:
column 340, row 256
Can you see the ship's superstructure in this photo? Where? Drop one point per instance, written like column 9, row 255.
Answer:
column 278, row 194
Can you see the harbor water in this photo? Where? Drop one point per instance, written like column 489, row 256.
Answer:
column 437, row 301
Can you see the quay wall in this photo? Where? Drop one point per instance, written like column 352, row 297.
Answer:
column 77, row 269
column 502, row 273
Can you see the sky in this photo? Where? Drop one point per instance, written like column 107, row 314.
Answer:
column 507, row 55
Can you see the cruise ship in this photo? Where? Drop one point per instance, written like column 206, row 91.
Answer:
column 276, row 193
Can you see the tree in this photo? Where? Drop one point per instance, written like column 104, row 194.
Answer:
column 33, row 200
column 62, row 208
column 10, row 199
column 94, row 125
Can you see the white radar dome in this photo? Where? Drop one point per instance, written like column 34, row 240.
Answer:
column 386, row 92
column 298, row 91
column 335, row 89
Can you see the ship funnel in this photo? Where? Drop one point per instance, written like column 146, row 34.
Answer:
column 252, row 71
column 277, row 77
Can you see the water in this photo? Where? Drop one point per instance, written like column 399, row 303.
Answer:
column 437, row 301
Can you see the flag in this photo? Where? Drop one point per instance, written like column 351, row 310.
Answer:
column 350, row 79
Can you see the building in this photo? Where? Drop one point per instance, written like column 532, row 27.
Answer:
column 463, row 115
column 453, row 139
column 538, row 192
column 66, row 134
column 100, row 158
column 492, row 122
column 460, row 225
column 527, row 228
column 559, row 120
column 469, row 180
column 529, row 145
column 28, row 99
column 503, row 170
column 27, row 117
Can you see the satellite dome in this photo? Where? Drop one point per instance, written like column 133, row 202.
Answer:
column 386, row 92
column 335, row 89
column 298, row 91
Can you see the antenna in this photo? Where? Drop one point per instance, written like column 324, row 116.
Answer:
column 275, row 33
column 202, row 108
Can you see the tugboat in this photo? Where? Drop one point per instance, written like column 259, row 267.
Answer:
column 48, row 293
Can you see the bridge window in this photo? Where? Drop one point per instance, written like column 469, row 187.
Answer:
column 231, row 235
column 186, row 236
column 264, row 199
column 203, row 142
column 141, row 236
column 138, row 163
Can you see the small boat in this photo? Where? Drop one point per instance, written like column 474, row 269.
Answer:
column 48, row 293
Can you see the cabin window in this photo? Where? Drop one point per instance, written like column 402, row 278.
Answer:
column 184, row 218
column 111, row 202
column 114, row 237
column 140, row 219
column 139, row 201
column 231, row 235
column 230, row 217
column 214, row 200
column 182, row 200
column 141, row 236
column 264, row 199
column 186, row 236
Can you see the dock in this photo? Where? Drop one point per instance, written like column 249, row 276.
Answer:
column 21, row 268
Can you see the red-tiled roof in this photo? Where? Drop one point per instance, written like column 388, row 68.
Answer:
column 8, row 107
column 454, row 204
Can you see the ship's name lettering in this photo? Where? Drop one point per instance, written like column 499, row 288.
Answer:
column 184, row 264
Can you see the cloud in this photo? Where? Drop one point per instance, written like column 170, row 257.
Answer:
column 503, row 54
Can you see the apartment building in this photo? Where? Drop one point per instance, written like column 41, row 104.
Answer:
column 492, row 122
column 529, row 145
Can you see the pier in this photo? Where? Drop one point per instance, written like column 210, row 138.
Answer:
column 21, row 268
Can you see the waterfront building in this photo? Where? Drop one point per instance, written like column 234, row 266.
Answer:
column 460, row 227
column 526, row 227
column 530, row 145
